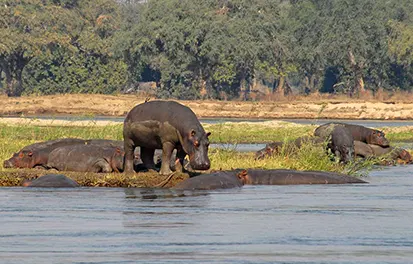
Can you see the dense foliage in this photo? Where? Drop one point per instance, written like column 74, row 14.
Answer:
column 192, row 49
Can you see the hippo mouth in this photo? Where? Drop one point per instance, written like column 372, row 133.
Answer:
column 199, row 165
column 7, row 164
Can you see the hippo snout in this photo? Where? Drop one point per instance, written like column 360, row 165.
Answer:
column 200, row 165
column 7, row 164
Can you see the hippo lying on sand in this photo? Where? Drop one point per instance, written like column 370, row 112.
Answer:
column 52, row 181
column 86, row 158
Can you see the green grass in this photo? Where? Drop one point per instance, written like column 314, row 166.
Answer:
column 309, row 157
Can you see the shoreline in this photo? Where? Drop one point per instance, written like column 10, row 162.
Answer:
column 91, row 105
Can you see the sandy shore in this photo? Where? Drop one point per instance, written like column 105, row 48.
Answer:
column 119, row 105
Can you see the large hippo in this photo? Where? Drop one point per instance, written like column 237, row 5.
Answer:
column 51, row 181
column 341, row 144
column 86, row 158
column 293, row 177
column 360, row 133
column 37, row 154
column 212, row 181
column 165, row 125
column 275, row 147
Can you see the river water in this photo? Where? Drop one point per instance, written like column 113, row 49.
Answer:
column 366, row 223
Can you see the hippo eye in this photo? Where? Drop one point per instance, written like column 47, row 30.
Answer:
column 196, row 143
column 21, row 155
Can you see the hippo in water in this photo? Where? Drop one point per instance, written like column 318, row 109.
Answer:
column 87, row 158
column 51, row 181
column 212, row 181
column 360, row 133
column 165, row 125
column 293, row 177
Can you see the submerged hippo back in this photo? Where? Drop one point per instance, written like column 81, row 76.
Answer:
column 294, row 177
column 53, row 181
column 213, row 181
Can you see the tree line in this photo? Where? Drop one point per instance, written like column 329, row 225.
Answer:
column 190, row 49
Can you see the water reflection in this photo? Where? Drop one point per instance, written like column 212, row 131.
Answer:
column 254, row 224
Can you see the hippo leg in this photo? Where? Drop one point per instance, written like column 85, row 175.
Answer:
column 129, row 148
column 147, row 158
column 167, row 149
column 102, row 166
column 180, row 157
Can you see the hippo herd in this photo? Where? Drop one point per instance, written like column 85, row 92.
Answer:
column 345, row 142
column 173, row 128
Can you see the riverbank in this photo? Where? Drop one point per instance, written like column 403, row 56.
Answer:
column 293, row 107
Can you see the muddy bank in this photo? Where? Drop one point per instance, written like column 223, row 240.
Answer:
column 119, row 105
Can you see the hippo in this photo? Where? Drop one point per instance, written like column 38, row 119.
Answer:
column 362, row 149
column 212, row 181
column 36, row 155
column 86, row 158
column 360, row 133
column 51, row 181
column 341, row 144
column 397, row 154
column 293, row 177
column 292, row 145
column 165, row 125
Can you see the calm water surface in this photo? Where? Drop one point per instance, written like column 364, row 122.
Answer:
column 255, row 224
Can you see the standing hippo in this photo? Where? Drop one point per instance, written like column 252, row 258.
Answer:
column 213, row 181
column 294, row 177
column 51, row 181
column 165, row 125
column 86, row 158
column 360, row 133
column 37, row 154
column 341, row 144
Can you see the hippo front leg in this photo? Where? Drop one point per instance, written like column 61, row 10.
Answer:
column 129, row 155
column 167, row 149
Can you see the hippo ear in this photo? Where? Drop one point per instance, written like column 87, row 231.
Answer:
column 208, row 134
column 30, row 154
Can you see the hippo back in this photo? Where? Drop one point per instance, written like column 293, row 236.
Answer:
column 52, row 181
column 213, row 181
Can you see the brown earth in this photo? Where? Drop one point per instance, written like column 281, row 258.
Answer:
column 119, row 105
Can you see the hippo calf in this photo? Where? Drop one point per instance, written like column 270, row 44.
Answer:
column 212, row 181
column 341, row 144
column 165, row 125
column 294, row 177
column 51, row 181
column 360, row 133
column 86, row 158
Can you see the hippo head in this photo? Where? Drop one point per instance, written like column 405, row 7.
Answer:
column 376, row 137
column 346, row 153
column 22, row 159
column 405, row 156
column 196, row 146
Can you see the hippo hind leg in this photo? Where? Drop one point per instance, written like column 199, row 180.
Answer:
column 147, row 158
